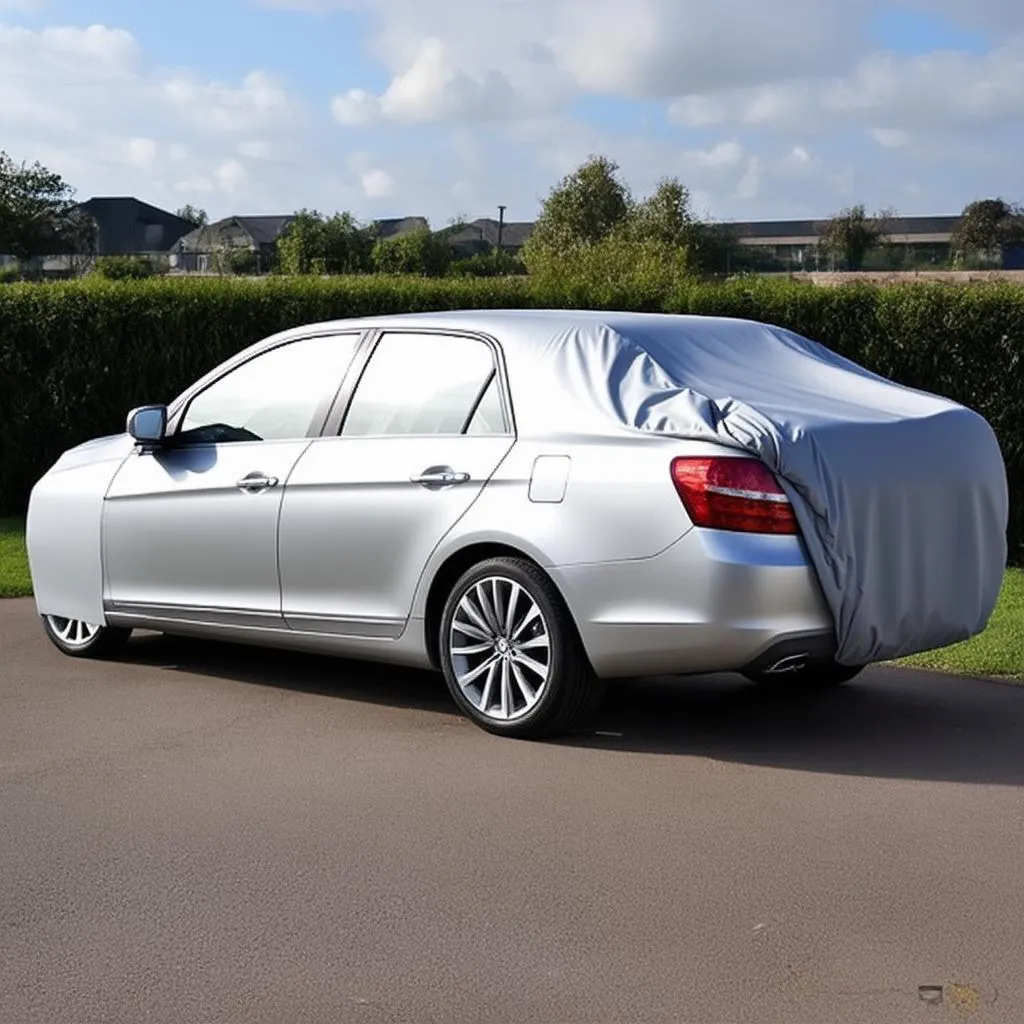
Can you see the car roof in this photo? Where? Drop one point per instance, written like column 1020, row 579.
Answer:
column 536, row 326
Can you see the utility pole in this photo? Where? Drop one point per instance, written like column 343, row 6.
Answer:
column 501, row 226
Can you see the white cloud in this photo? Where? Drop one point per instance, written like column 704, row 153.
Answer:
column 256, row 149
column 260, row 100
column 87, row 102
column 377, row 183
column 432, row 88
column 750, row 184
column 884, row 91
column 725, row 154
column 355, row 107
column 772, row 110
column 231, row 176
column 141, row 153
column 466, row 60
column 891, row 138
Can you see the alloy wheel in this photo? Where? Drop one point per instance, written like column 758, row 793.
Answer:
column 500, row 648
column 72, row 632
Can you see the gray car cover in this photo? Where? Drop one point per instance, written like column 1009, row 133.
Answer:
column 901, row 496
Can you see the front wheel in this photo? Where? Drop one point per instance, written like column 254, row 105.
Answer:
column 822, row 676
column 511, row 655
column 83, row 639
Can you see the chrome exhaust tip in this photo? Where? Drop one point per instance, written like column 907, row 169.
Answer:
column 791, row 663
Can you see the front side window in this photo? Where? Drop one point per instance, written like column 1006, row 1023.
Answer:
column 275, row 396
column 419, row 384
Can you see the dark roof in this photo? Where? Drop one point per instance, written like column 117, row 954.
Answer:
column 264, row 230
column 395, row 227
column 514, row 233
column 128, row 225
column 805, row 228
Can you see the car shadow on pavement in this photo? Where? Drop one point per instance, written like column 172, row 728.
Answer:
column 893, row 723
column 368, row 682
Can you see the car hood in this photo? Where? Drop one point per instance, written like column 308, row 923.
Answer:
column 100, row 449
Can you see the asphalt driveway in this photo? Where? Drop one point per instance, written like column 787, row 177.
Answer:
column 201, row 833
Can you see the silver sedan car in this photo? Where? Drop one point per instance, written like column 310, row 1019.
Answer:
column 419, row 490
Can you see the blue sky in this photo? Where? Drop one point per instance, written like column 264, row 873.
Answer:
column 448, row 108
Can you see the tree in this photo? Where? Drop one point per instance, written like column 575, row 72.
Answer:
column 584, row 207
column 667, row 218
column 665, row 215
column 419, row 252
column 194, row 215
column 314, row 244
column 591, row 228
column 37, row 211
column 851, row 234
column 987, row 227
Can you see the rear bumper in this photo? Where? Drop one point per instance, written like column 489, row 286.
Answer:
column 712, row 602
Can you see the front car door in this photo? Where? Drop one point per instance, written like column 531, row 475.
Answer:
column 426, row 427
column 190, row 530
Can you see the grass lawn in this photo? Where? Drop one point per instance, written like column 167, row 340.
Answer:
column 14, row 578
column 999, row 651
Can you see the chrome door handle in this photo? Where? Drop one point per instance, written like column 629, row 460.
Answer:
column 253, row 483
column 440, row 476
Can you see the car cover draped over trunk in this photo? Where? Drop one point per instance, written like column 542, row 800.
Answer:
column 901, row 496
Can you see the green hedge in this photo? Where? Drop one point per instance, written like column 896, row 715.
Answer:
column 75, row 357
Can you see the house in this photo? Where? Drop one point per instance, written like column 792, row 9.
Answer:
column 126, row 226
column 794, row 244
column 257, row 235
column 396, row 227
column 122, row 226
column 481, row 237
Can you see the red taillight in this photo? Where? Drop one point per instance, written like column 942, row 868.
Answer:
column 733, row 494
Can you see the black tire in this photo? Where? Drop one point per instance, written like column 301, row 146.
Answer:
column 104, row 641
column 568, row 695
column 822, row 676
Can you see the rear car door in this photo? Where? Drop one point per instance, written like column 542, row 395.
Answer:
column 426, row 427
column 190, row 529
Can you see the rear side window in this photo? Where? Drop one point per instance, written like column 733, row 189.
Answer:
column 418, row 384
column 277, row 395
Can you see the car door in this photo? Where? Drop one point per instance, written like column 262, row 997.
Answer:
column 426, row 427
column 190, row 529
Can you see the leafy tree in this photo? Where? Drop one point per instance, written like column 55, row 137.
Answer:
column 37, row 212
column 228, row 260
column 419, row 252
column 314, row 244
column 851, row 234
column 987, row 227
column 591, row 225
column 194, row 215
column 487, row 264
column 125, row 268
column 666, row 217
column 583, row 208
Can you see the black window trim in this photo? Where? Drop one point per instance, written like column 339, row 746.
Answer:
column 339, row 410
column 475, row 407
column 179, row 407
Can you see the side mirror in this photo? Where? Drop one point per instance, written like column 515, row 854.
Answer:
column 148, row 424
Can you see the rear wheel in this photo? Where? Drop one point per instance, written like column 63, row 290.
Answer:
column 821, row 676
column 83, row 639
column 511, row 655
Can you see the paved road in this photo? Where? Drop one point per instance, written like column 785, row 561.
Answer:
column 208, row 834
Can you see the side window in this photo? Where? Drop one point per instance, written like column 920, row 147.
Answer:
column 488, row 417
column 274, row 396
column 426, row 384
